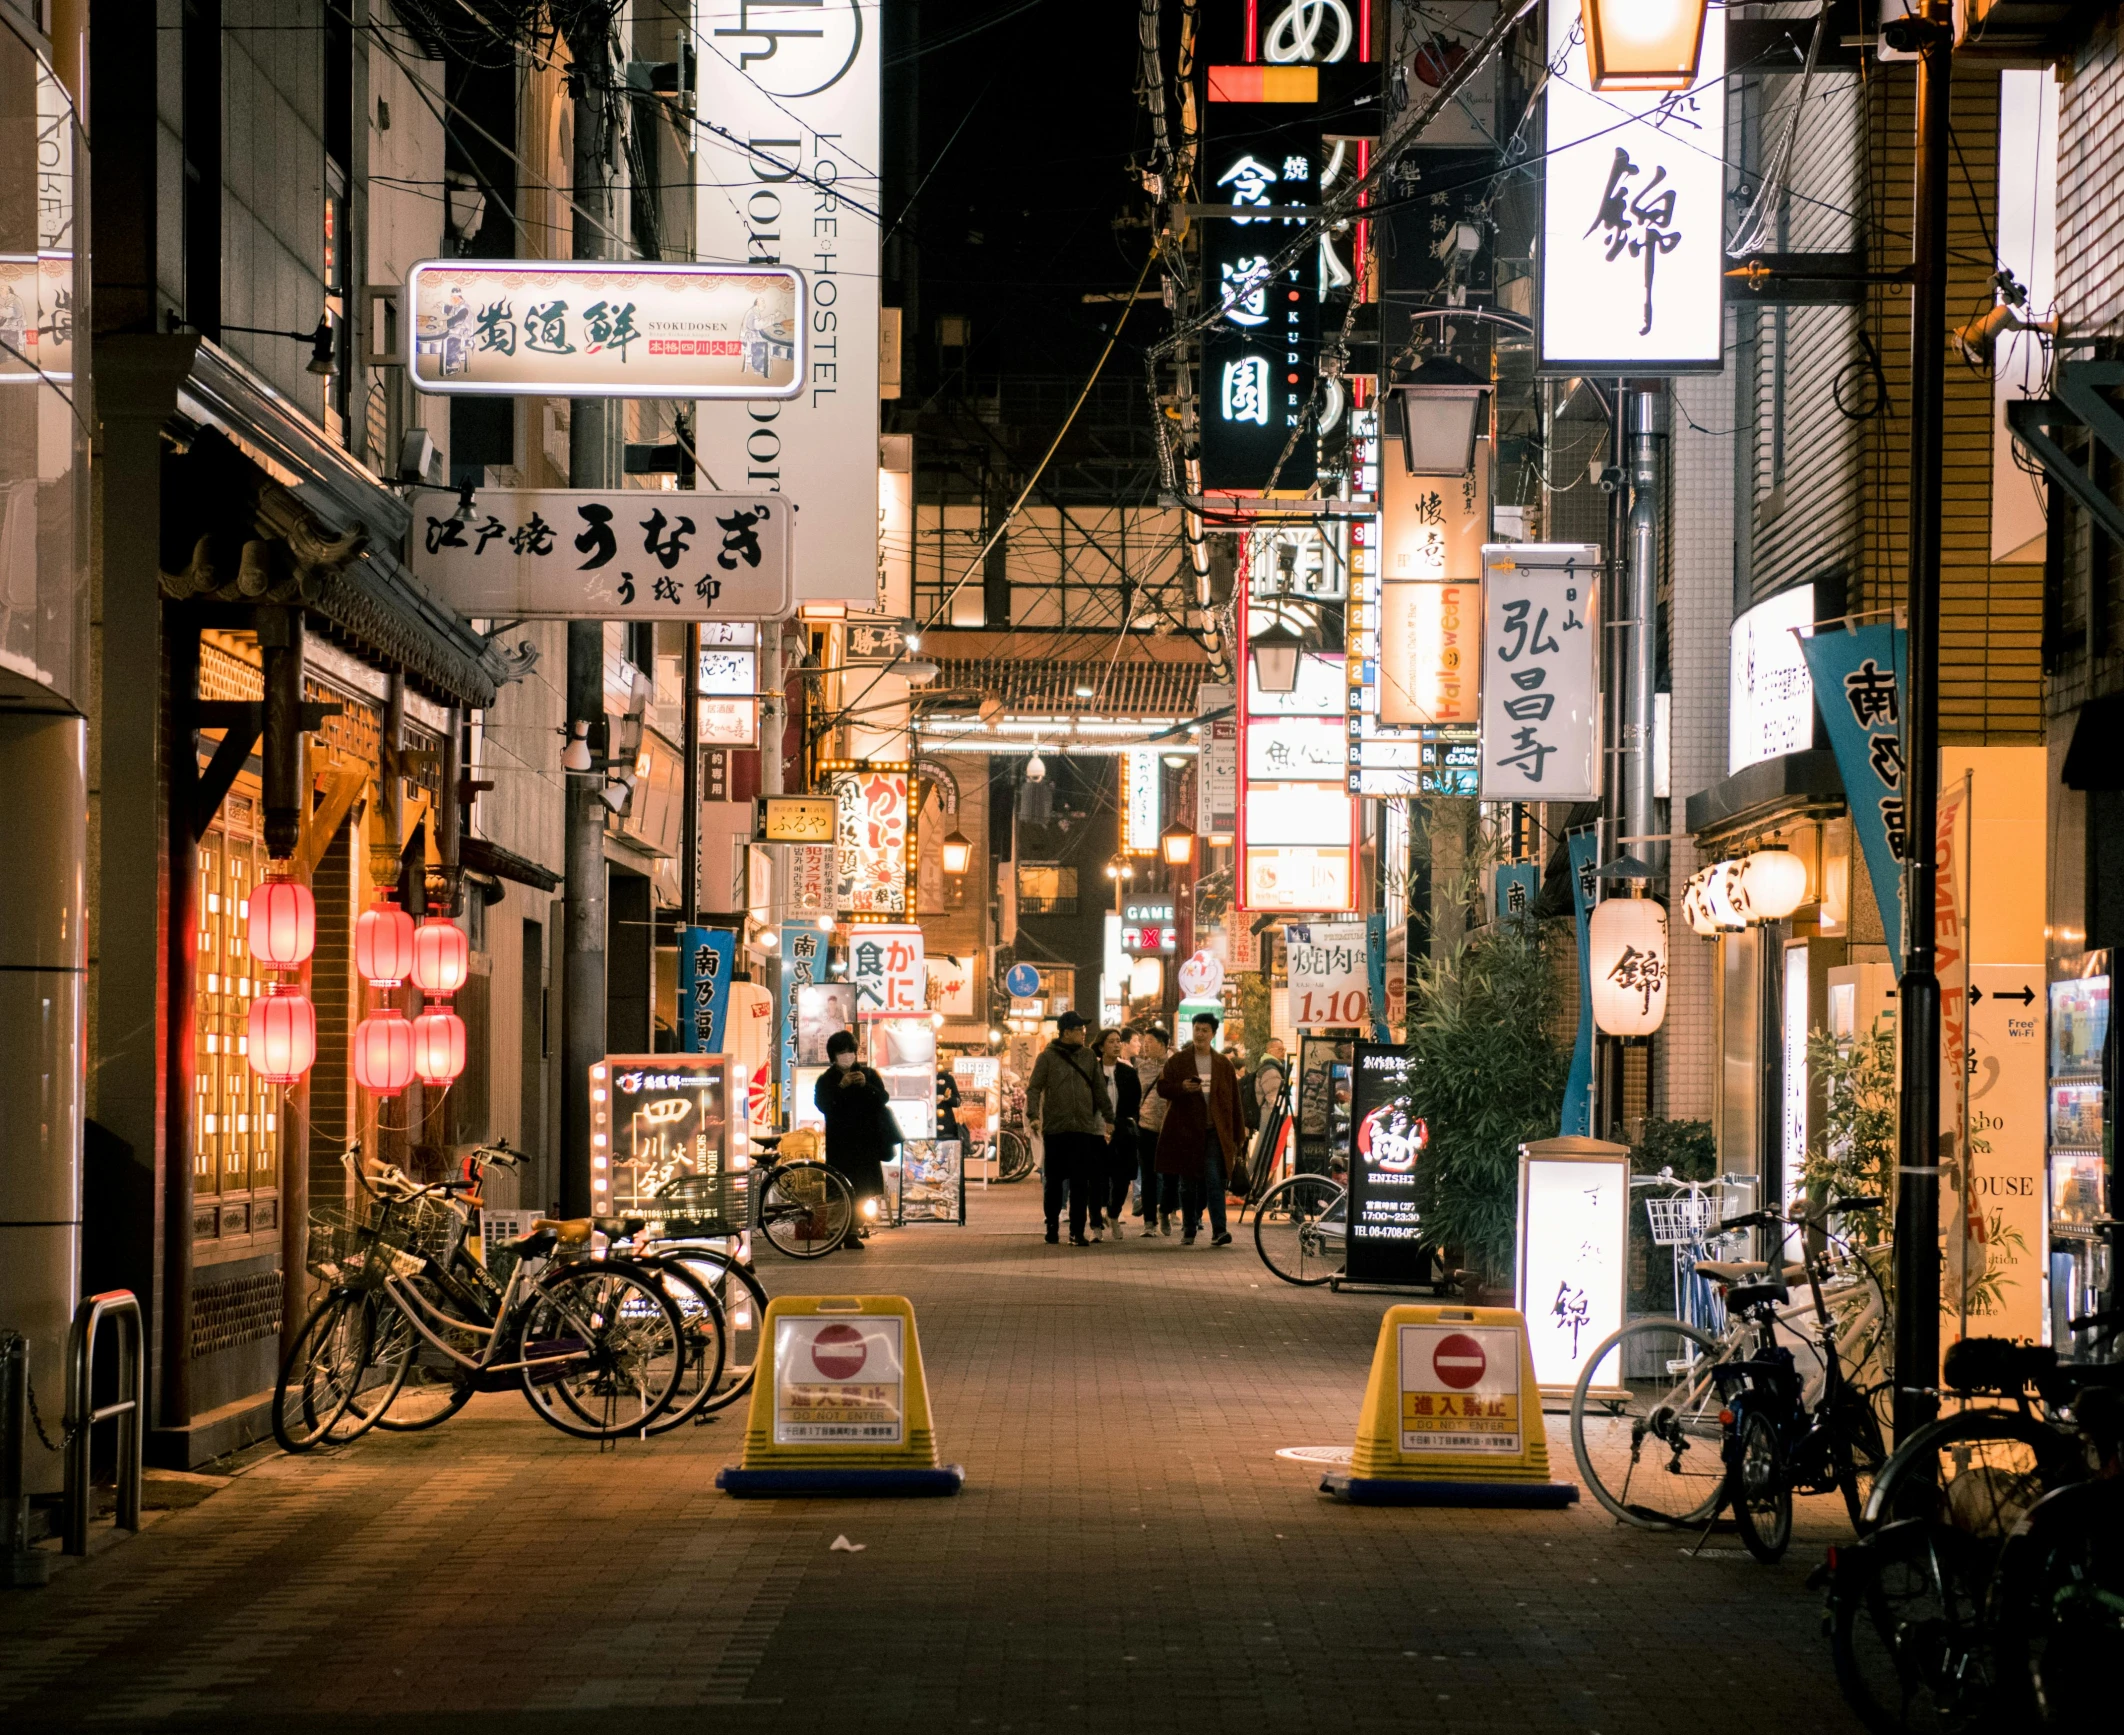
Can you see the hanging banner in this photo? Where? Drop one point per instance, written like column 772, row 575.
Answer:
column 1541, row 672
column 2006, row 1110
column 1375, row 947
column 803, row 948
column 787, row 170
column 886, row 967
column 1964, row 1260
column 583, row 328
column 1430, row 653
column 871, row 820
column 1857, row 676
column 1329, row 970
column 705, row 958
column 1140, row 805
column 609, row 554
column 1517, row 890
column 1585, row 893
column 1433, row 527
column 1633, row 245
column 808, row 879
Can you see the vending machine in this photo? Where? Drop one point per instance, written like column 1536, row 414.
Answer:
column 2082, row 1178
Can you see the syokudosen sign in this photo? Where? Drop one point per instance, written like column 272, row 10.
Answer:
column 1633, row 247
column 609, row 554
column 787, row 170
column 586, row 328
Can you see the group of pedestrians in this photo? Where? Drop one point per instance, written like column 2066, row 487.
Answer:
column 1122, row 1107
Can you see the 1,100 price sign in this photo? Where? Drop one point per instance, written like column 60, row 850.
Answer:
column 1328, row 975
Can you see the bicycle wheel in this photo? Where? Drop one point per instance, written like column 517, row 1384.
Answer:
column 1907, row 1629
column 1644, row 1424
column 806, row 1209
column 1979, row 1471
column 1297, row 1229
column 701, row 1315
column 431, row 1387
column 322, row 1372
column 1014, row 1157
column 606, row 1345
column 744, row 1313
column 2057, row 1606
column 1760, row 1491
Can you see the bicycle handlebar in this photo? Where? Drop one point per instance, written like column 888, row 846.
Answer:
column 1797, row 1217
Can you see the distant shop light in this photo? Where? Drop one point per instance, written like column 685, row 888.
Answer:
column 957, row 851
column 1176, row 843
column 1643, row 44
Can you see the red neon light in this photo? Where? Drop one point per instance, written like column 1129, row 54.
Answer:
column 1253, row 29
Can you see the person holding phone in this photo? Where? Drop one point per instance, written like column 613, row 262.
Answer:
column 860, row 1130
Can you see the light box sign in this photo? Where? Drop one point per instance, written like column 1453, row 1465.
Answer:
column 1140, row 805
column 661, row 1140
column 584, row 328
column 1574, row 1252
column 1541, row 666
column 1433, row 527
column 787, row 158
column 1769, row 698
column 1329, row 974
column 1298, row 750
column 1148, row 929
column 795, row 819
column 1430, row 653
column 870, row 840
column 1387, row 1144
column 609, row 554
column 1632, row 255
column 887, row 968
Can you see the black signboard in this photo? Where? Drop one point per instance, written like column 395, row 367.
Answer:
column 1323, row 1103
column 1387, row 1143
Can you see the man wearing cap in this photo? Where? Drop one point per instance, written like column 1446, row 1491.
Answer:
column 1202, row 1129
column 1159, row 1195
column 1067, row 1104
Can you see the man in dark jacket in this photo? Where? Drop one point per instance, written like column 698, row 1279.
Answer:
column 1066, row 1102
column 860, row 1130
column 1202, row 1129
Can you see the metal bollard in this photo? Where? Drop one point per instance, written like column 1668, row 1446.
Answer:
column 21, row 1566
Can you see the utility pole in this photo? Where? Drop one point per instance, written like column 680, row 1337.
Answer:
column 591, row 422
column 1648, row 431
column 1917, row 1193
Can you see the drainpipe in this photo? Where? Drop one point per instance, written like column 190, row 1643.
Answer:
column 1648, row 434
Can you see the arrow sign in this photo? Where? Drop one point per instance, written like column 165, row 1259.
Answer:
column 2026, row 996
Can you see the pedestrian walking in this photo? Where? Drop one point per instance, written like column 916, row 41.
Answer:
column 860, row 1131
column 1067, row 1105
column 1157, row 1196
column 1200, row 1128
column 1125, row 1089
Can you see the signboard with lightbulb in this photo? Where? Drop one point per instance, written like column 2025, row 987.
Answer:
column 664, row 1144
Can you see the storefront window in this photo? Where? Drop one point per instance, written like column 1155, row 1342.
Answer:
column 43, row 370
column 236, row 1114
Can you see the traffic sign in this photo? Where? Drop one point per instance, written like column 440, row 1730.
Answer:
column 1022, row 980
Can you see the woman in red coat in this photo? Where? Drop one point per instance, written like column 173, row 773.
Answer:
column 1202, row 1129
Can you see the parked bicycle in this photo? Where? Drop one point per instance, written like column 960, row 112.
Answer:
column 1014, row 1155
column 1645, row 1415
column 804, row 1208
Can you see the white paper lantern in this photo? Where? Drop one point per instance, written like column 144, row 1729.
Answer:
column 1692, row 906
column 1725, row 897
column 1776, row 882
column 1629, row 941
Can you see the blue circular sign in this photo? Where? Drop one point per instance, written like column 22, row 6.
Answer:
column 1023, row 981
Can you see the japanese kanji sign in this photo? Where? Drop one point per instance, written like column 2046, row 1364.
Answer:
column 1330, row 983
column 1633, row 223
column 705, row 959
column 1459, row 1389
column 803, row 963
column 1574, row 1251
column 585, row 329
column 886, row 966
column 1541, row 667
column 870, row 842
column 1858, row 688
column 618, row 554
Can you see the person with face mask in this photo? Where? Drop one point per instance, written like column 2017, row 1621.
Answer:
column 860, row 1130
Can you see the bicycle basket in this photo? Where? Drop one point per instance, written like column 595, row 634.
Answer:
column 1680, row 1218
column 352, row 1248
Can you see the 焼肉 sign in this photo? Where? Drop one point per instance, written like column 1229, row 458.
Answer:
column 586, row 328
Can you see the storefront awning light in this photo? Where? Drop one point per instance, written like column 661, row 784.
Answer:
column 1643, row 44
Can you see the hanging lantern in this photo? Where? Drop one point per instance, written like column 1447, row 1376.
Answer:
column 383, row 943
column 283, row 923
column 1643, row 44
column 383, row 1052
column 442, row 957
column 1629, row 946
column 1777, row 883
column 438, row 1046
column 1725, row 898
column 1692, row 906
column 281, row 1036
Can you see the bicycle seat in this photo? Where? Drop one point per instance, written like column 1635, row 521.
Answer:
column 566, row 1232
column 1997, row 1364
column 619, row 1226
column 1740, row 1297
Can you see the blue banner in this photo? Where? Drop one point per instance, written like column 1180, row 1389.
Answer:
column 1375, row 972
column 803, row 950
column 1585, row 893
column 1858, row 688
column 1518, row 889
column 705, row 958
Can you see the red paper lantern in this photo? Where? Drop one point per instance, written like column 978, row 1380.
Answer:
column 439, row 1046
column 283, row 924
column 281, row 1036
column 442, row 958
column 383, row 943
column 383, row 1053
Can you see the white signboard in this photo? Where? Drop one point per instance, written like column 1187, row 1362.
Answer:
column 2006, row 1112
column 886, row 966
column 585, row 328
column 1541, row 669
column 1634, row 216
column 839, row 1381
column 1298, row 750
column 1769, row 699
column 787, row 160
column 1217, row 765
column 1140, row 807
column 951, row 982
column 1459, row 1389
column 1329, row 971
column 1574, row 1256
column 607, row 554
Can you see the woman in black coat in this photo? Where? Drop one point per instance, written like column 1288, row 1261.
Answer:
column 1125, row 1090
column 860, row 1130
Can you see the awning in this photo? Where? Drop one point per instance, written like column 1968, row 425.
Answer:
column 1768, row 793
column 481, row 855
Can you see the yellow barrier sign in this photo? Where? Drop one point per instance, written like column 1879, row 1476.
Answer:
column 1452, row 1415
column 840, row 1404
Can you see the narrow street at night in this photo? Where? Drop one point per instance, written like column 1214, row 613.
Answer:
column 1128, row 1553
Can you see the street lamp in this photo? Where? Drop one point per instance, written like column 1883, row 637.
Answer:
column 1276, row 658
column 1177, row 845
column 1441, row 407
column 1643, row 44
column 957, row 852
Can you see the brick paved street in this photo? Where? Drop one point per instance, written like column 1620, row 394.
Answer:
column 1129, row 1553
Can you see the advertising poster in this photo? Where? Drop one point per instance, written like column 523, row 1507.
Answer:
column 1387, row 1143
column 870, row 841
column 821, row 1009
column 839, row 1382
column 2006, row 1106
column 1324, row 1092
column 1330, row 974
column 665, row 1120
column 1460, row 1389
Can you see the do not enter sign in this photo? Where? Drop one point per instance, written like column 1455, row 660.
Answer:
column 838, row 1352
column 1460, row 1390
column 1458, row 1361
